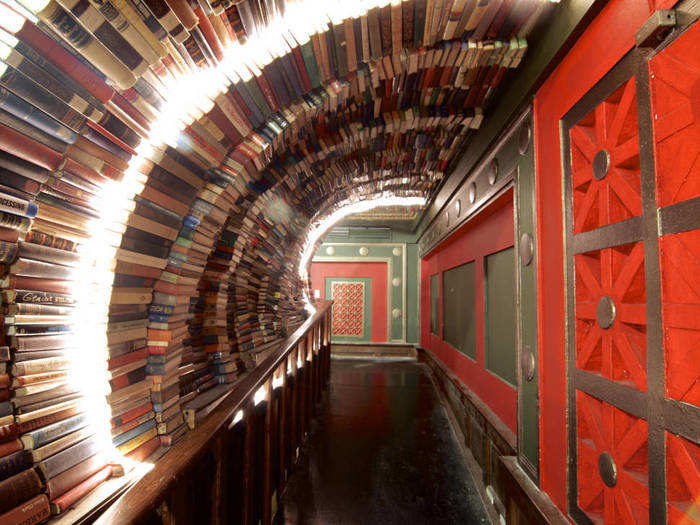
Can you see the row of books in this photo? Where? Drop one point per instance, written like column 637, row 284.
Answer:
column 203, row 264
column 51, row 452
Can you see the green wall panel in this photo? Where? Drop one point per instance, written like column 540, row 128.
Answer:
column 402, row 282
column 526, row 235
column 500, row 343
column 435, row 304
column 458, row 308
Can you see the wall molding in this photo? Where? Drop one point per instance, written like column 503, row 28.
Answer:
column 320, row 257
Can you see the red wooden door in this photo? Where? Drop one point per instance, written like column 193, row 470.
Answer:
column 632, row 211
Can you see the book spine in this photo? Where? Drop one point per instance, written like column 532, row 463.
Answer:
column 142, row 452
column 25, row 59
column 10, row 447
column 43, row 99
column 15, row 222
column 16, row 206
column 97, row 25
column 18, row 488
column 36, row 366
column 69, row 457
column 73, row 33
column 71, row 477
column 32, row 36
column 139, row 440
column 307, row 52
column 33, row 133
column 35, row 510
column 66, row 500
column 14, row 463
column 169, row 20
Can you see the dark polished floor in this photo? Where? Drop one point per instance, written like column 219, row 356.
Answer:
column 381, row 451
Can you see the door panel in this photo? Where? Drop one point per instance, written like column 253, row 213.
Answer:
column 352, row 308
column 632, row 210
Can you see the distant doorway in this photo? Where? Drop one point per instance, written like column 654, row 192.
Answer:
column 361, row 301
column 352, row 311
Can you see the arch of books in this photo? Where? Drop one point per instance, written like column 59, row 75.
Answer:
column 164, row 161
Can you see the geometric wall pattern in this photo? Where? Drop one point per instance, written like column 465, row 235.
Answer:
column 348, row 308
column 683, row 475
column 605, row 162
column 618, row 351
column 632, row 172
column 605, row 430
column 680, row 299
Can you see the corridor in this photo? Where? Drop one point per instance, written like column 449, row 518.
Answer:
column 381, row 451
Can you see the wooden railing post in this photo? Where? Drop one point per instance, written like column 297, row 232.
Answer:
column 249, row 468
column 309, row 379
column 283, row 433
column 295, row 405
column 267, row 458
column 303, row 390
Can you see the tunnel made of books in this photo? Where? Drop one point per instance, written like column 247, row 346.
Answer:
column 169, row 173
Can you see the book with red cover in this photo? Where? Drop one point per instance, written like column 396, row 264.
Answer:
column 71, row 477
column 28, row 149
column 18, row 488
column 61, row 503
column 10, row 447
column 36, row 510
column 73, row 67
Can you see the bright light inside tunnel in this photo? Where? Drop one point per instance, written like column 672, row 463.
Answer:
column 320, row 225
column 187, row 96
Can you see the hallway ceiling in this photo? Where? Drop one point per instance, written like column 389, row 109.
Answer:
column 263, row 117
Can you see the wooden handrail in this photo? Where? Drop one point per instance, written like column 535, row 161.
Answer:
column 149, row 490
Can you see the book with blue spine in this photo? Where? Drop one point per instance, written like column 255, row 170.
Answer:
column 136, row 431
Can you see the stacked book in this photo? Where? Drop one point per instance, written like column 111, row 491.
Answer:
column 50, row 452
column 261, row 269
column 181, row 176
column 150, row 238
column 205, row 381
column 212, row 355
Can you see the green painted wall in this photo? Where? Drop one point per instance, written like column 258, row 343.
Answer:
column 400, row 251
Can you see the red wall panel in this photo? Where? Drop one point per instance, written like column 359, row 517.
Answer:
column 610, row 35
column 488, row 233
column 377, row 271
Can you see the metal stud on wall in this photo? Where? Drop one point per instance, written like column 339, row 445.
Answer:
column 526, row 273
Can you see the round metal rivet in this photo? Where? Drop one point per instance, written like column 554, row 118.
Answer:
column 525, row 249
column 605, row 312
column 607, row 469
column 601, row 163
column 458, row 207
column 493, row 172
column 447, row 218
column 528, row 363
column 472, row 193
column 524, row 139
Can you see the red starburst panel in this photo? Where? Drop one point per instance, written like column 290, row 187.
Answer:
column 611, row 314
column 605, row 162
column 348, row 308
column 682, row 480
column 680, row 298
column 604, row 431
column 675, row 100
